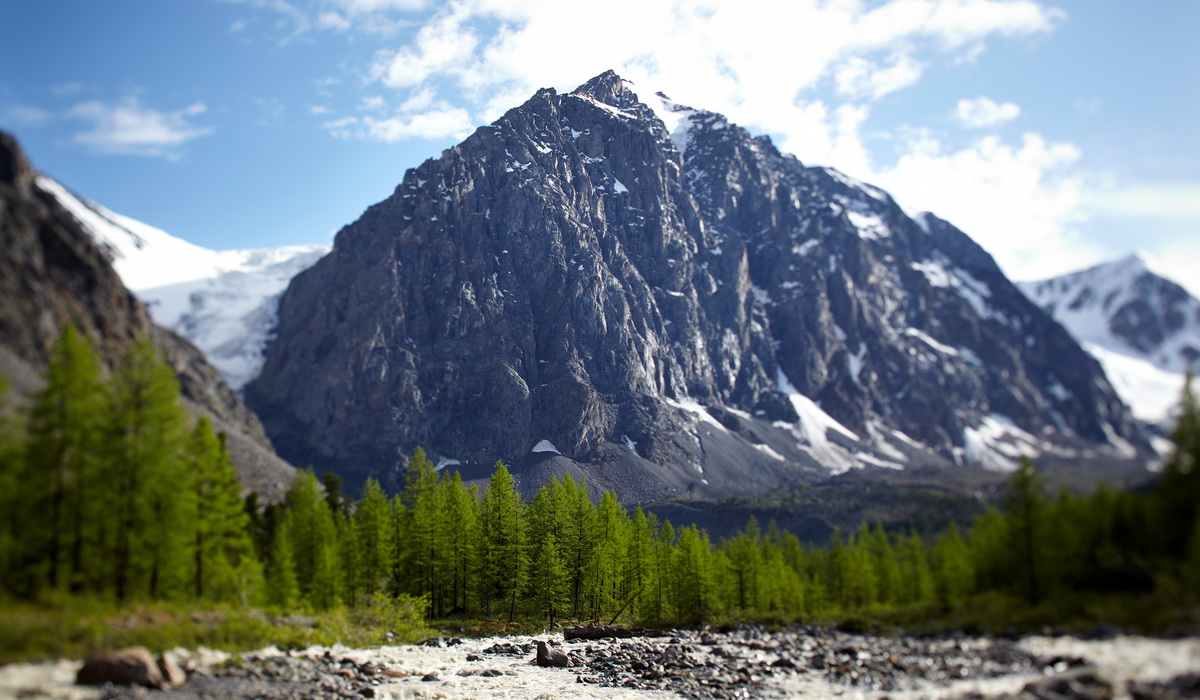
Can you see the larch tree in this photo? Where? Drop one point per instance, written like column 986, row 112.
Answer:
column 145, row 433
column 64, row 488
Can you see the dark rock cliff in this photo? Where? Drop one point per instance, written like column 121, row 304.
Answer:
column 670, row 309
column 52, row 275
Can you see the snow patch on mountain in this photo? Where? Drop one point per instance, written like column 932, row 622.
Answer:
column 223, row 301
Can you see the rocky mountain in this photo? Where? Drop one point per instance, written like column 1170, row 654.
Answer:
column 1142, row 327
column 53, row 274
column 608, row 283
column 224, row 301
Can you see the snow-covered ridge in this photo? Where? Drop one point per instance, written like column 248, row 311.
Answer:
column 224, row 301
column 1142, row 327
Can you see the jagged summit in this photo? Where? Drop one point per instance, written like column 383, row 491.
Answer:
column 677, row 307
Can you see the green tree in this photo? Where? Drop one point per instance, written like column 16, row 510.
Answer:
column 422, row 550
column 314, row 542
column 639, row 564
column 1026, row 505
column 220, row 543
column 503, row 544
column 372, row 564
column 953, row 575
column 746, row 566
column 461, row 537
column 547, row 586
column 610, row 542
column 1178, row 493
column 283, row 590
column 63, row 487
column 11, row 471
column 146, row 432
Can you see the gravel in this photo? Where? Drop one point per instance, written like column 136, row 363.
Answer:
column 744, row 663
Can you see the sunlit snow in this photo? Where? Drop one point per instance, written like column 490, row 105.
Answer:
column 224, row 301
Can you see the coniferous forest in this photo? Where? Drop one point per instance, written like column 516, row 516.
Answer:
column 112, row 492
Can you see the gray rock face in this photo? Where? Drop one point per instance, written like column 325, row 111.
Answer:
column 53, row 275
column 575, row 287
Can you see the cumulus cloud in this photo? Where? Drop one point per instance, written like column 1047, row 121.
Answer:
column 982, row 112
column 1020, row 201
column 131, row 128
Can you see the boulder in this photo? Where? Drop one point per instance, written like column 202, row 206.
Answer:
column 548, row 656
column 133, row 666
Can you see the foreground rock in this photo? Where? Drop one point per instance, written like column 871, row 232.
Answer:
column 135, row 666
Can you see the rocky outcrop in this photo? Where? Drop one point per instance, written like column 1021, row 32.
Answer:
column 52, row 275
column 611, row 283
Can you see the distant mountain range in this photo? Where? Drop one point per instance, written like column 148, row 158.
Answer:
column 1143, row 327
column 609, row 284
column 223, row 301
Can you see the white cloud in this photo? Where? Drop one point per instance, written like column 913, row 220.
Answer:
column 859, row 77
column 758, row 61
column 982, row 112
column 132, row 129
column 365, row 6
column 1020, row 202
column 371, row 103
column 333, row 20
column 433, row 124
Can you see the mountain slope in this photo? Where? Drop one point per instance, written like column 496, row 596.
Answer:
column 52, row 274
column 223, row 301
column 1144, row 328
column 604, row 284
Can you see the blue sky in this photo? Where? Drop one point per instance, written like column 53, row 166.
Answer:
column 1058, row 134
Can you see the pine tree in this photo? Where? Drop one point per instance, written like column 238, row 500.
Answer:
column 547, row 587
column 372, row 564
column 639, row 565
column 314, row 542
column 659, row 607
column 11, row 511
column 503, row 551
column 745, row 561
column 611, row 537
column 459, row 542
column 146, row 432
column 1025, row 502
column 63, row 487
column 577, row 540
column 421, row 553
column 1178, row 494
column 220, row 540
column 283, row 590
column 953, row 575
column 695, row 577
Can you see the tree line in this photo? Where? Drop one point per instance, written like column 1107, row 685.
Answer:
column 108, row 491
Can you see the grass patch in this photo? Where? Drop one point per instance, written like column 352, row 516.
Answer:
column 31, row 632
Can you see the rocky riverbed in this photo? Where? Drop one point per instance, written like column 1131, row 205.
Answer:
column 802, row 662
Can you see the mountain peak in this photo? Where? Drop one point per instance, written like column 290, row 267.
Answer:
column 606, row 84
column 674, row 306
